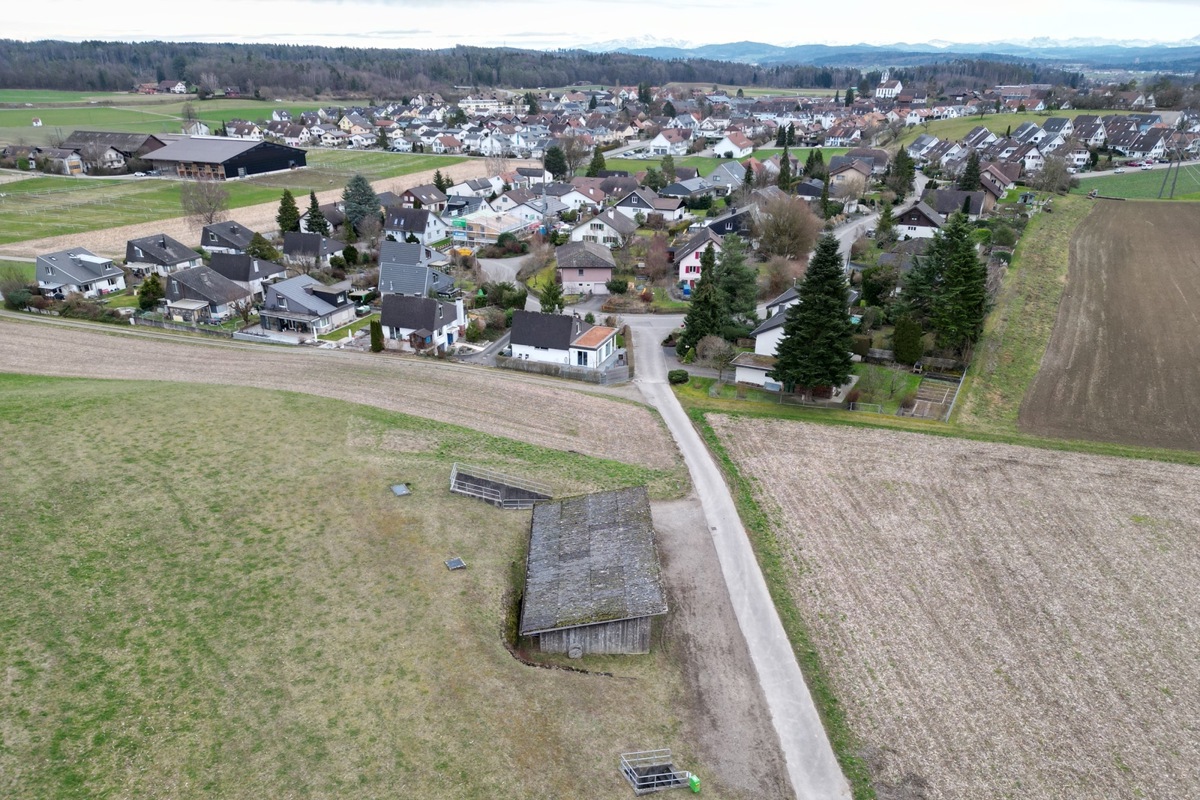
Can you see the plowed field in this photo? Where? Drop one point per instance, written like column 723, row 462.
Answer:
column 997, row 621
column 1121, row 363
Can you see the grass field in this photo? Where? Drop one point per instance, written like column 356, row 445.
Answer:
column 257, row 614
column 26, row 269
column 1018, row 329
column 37, row 96
column 336, row 167
column 980, row 641
column 1146, row 185
column 706, row 164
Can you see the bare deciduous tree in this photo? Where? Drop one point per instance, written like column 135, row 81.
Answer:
column 496, row 165
column 716, row 353
column 851, row 188
column 205, row 202
column 658, row 261
column 244, row 309
column 787, row 227
column 575, row 151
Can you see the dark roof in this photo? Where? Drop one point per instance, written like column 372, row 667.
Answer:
column 409, row 220
column 159, row 249
column 404, row 269
column 591, row 559
column 126, row 143
column 244, row 268
column 78, row 263
column 700, row 240
column 584, row 255
column 553, row 331
column 209, row 284
column 228, row 234
column 428, row 194
column 615, row 220
column 307, row 244
column 213, row 149
column 950, row 201
column 417, row 313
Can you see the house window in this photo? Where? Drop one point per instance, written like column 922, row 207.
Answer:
column 581, row 358
column 581, row 272
column 596, row 226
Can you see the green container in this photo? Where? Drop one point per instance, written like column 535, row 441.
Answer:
column 694, row 783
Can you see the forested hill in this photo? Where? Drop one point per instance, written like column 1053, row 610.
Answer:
column 307, row 70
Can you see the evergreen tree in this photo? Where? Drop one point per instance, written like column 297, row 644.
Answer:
column 555, row 161
column 668, row 168
column 810, row 162
column 885, row 228
column 381, row 140
column 817, row 334
column 747, row 179
column 360, row 202
column 960, row 296
column 552, row 298
column 737, row 282
column 259, row 247
column 849, row 96
column 376, row 336
column 597, row 166
column 785, row 170
column 705, row 317
column 791, row 135
column 654, row 179
column 907, row 345
column 150, row 292
column 644, row 96
column 825, row 200
column 531, row 103
column 316, row 222
column 837, row 97
column 969, row 181
column 439, row 182
column 781, row 136
column 592, row 103
column 288, row 217
column 669, row 109
column 901, row 173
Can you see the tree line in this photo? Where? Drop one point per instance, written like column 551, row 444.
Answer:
column 306, row 70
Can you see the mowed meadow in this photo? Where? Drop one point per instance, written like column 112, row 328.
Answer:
column 994, row 621
column 212, row 592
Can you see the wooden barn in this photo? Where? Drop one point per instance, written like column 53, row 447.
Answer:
column 592, row 581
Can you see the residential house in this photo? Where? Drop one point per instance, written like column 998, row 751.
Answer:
column 647, row 202
column 729, row 176
column 951, row 201
column 422, row 324
column 247, row 271
column 734, row 220
column 309, row 249
column 561, row 339
column 305, row 305
column 688, row 189
column 424, row 196
column 333, row 215
column 610, row 227
column 752, row 368
column 226, row 237
column 404, row 268
column 59, row 160
column 734, row 145
column 584, row 267
column 687, row 258
column 220, row 295
column 919, row 221
column 159, row 254
column 888, row 89
column 421, row 224
column 172, row 87
column 671, row 141
column 77, row 271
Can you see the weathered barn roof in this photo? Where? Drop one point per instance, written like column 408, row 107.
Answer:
column 591, row 560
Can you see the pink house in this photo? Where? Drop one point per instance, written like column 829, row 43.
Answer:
column 687, row 258
column 584, row 267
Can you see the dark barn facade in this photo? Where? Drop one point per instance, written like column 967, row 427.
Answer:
column 218, row 158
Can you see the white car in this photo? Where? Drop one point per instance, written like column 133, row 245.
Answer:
column 1118, row 170
column 1146, row 166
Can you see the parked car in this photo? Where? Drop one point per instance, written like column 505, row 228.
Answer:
column 1118, row 170
column 1147, row 166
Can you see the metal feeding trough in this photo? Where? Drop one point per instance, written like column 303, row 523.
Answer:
column 653, row 771
column 401, row 490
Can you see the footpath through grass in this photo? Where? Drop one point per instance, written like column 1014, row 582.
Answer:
column 243, row 605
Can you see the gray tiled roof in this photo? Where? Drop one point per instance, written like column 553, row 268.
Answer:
column 591, row 559
column 243, row 267
column 552, row 331
column 584, row 255
column 78, row 264
column 416, row 313
column 208, row 284
column 229, row 234
column 159, row 249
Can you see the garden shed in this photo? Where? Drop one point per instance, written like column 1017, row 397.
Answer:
column 592, row 578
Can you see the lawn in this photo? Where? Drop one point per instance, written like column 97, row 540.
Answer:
column 1146, row 185
column 50, row 206
column 260, row 612
column 349, row 330
column 706, row 164
column 332, row 168
column 1017, row 330
column 37, row 96
column 26, row 269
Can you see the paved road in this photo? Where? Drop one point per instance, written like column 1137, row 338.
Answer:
column 812, row 766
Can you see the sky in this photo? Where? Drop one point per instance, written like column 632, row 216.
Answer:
column 557, row 24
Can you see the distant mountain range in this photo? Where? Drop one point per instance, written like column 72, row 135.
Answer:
column 1135, row 54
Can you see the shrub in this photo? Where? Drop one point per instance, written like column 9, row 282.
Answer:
column 376, row 336
column 852, row 396
column 589, row 318
column 508, row 315
column 860, row 345
column 616, row 286
column 337, row 262
column 647, row 295
column 907, row 343
column 474, row 334
column 17, row 299
column 677, row 376
column 350, row 254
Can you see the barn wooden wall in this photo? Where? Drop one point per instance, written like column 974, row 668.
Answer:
column 624, row 637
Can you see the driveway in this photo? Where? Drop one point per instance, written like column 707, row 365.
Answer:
column 811, row 763
column 504, row 270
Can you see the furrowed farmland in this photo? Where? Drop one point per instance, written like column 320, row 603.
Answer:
column 1120, row 365
column 996, row 621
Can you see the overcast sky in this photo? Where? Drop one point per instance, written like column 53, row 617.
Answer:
column 550, row 25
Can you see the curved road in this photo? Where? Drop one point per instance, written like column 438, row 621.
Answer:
column 812, row 765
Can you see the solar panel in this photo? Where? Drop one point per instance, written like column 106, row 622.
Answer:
column 456, row 563
column 401, row 489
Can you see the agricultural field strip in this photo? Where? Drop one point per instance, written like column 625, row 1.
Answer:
column 998, row 621
column 567, row 419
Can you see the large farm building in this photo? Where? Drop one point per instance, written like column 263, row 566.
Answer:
column 218, row 158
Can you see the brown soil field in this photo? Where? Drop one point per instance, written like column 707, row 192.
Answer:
column 111, row 242
column 996, row 621
column 503, row 404
column 1120, row 366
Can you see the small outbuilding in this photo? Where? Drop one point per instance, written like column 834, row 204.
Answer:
column 592, row 578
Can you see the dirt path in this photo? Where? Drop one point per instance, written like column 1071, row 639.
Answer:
column 486, row 400
column 111, row 242
column 1120, row 365
column 731, row 721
